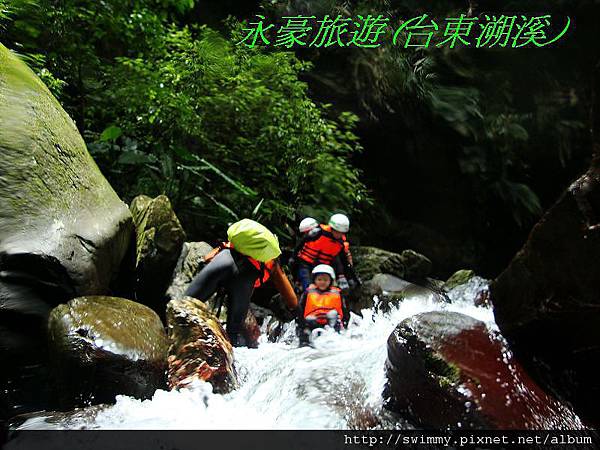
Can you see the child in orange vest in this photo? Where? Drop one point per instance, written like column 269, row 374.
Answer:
column 321, row 304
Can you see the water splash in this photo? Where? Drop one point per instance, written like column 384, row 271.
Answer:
column 337, row 384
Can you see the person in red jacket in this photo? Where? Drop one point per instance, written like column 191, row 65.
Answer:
column 321, row 304
column 324, row 244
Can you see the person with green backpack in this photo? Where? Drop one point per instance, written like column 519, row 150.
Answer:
column 246, row 261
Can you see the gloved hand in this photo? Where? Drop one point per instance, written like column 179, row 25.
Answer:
column 343, row 283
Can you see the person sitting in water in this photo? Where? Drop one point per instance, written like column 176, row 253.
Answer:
column 321, row 304
column 324, row 244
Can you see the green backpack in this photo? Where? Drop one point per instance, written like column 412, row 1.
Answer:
column 253, row 239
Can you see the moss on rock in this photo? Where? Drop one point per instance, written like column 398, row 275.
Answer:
column 104, row 346
column 159, row 240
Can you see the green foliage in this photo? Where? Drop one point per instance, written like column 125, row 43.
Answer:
column 225, row 132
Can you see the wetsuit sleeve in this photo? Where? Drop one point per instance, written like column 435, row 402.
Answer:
column 300, row 310
column 345, row 312
column 338, row 265
column 302, row 305
column 221, row 268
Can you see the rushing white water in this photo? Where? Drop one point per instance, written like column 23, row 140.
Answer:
column 338, row 384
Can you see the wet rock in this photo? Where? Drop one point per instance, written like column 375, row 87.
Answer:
column 416, row 266
column 454, row 362
column 274, row 329
column 389, row 290
column 409, row 264
column 458, row 278
column 474, row 291
column 547, row 304
column 56, row 420
column 199, row 348
column 368, row 261
column 394, row 265
column 160, row 238
column 105, row 346
column 190, row 262
column 63, row 230
column 251, row 330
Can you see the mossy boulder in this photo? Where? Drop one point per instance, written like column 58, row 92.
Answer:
column 64, row 232
column 416, row 266
column 448, row 370
column 408, row 265
column 159, row 240
column 189, row 263
column 458, row 278
column 105, row 346
column 199, row 348
column 368, row 261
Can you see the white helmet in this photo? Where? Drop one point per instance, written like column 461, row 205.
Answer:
column 324, row 268
column 307, row 224
column 340, row 222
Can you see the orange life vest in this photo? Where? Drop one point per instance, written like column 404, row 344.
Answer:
column 323, row 249
column 264, row 269
column 319, row 302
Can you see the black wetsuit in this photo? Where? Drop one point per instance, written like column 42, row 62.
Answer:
column 236, row 274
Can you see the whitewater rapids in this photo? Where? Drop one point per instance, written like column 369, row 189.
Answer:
column 336, row 385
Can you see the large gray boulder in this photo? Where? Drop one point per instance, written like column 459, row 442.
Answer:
column 448, row 370
column 105, row 346
column 159, row 240
column 63, row 230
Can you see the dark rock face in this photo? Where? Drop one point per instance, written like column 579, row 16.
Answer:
column 63, row 230
column 105, row 346
column 160, row 238
column 447, row 370
column 199, row 348
column 547, row 304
